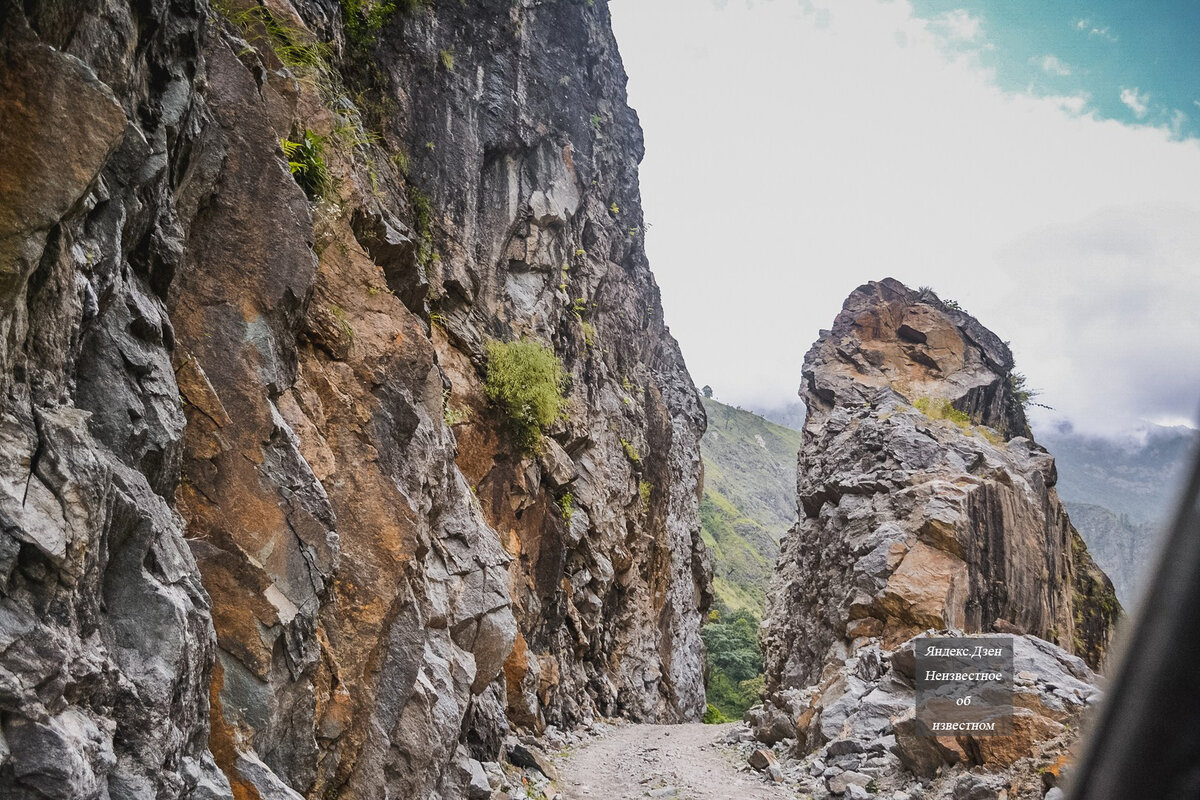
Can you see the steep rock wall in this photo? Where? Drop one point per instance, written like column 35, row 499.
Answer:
column 106, row 635
column 252, row 483
column 529, row 148
column 924, row 503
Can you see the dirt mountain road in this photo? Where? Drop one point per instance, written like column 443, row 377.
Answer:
column 688, row 762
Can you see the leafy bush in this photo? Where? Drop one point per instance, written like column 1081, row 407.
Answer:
column 526, row 379
column 713, row 716
column 733, row 663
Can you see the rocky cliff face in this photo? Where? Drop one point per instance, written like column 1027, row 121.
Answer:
column 263, row 535
column 924, row 503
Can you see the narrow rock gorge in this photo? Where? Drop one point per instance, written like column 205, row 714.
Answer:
column 924, row 504
column 267, row 529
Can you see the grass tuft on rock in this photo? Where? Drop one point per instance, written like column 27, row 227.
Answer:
column 941, row 408
column 526, row 379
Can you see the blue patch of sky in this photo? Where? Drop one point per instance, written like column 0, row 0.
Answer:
column 1137, row 61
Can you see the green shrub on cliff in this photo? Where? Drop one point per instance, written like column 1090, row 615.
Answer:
column 1018, row 385
column 526, row 379
column 306, row 160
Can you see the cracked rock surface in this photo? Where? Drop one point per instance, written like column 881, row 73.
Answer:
column 925, row 506
column 262, row 535
column 924, row 501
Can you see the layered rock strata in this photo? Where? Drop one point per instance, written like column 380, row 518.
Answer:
column 924, row 501
column 263, row 535
column 925, row 505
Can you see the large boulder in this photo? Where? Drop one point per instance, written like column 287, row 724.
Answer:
column 923, row 500
column 924, row 504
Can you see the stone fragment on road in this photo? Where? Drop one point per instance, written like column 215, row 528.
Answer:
column 761, row 759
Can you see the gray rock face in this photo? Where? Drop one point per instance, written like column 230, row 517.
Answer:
column 855, row 727
column 925, row 504
column 923, row 501
column 262, row 534
column 106, row 636
column 534, row 168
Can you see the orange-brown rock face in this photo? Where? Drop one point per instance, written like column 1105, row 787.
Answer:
column 924, row 504
column 923, row 501
column 256, row 498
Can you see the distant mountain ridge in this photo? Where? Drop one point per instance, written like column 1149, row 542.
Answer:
column 1137, row 478
column 1121, row 494
column 748, row 501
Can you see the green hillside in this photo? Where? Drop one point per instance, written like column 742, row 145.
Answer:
column 749, row 501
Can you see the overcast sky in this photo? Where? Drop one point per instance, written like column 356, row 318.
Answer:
column 1040, row 169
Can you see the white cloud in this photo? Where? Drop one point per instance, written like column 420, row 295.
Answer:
column 1178, row 123
column 1072, row 103
column 959, row 25
column 1138, row 103
column 1100, row 32
column 796, row 163
column 1118, row 327
column 1052, row 65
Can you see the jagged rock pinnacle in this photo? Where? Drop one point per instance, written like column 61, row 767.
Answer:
column 924, row 501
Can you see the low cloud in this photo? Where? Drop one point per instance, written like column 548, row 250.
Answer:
column 834, row 156
column 1052, row 65
column 1137, row 102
